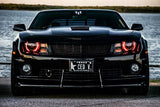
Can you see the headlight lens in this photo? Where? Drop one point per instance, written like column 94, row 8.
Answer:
column 125, row 48
column 117, row 48
column 35, row 48
column 44, row 48
column 32, row 47
column 128, row 46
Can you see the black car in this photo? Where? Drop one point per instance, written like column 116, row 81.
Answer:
column 79, row 49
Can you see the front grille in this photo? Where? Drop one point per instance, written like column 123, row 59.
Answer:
column 79, row 50
column 111, row 73
column 82, row 78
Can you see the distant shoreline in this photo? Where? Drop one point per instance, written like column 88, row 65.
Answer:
column 124, row 9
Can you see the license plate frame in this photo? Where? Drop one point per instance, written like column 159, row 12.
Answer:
column 81, row 65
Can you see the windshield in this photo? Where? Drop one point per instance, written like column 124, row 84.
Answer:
column 78, row 18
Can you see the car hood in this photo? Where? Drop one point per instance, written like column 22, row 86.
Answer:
column 68, row 34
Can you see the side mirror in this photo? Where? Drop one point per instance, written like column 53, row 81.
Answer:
column 19, row 27
column 137, row 27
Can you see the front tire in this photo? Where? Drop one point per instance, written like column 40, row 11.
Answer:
column 144, row 90
column 15, row 89
column 14, row 86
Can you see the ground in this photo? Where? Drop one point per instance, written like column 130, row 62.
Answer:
column 78, row 98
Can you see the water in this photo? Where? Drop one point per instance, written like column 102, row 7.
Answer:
column 7, row 35
column 150, row 22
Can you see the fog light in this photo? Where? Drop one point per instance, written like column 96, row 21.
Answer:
column 26, row 68
column 135, row 67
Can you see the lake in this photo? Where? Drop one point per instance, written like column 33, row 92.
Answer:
column 150, row 22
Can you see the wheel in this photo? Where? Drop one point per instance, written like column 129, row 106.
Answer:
column 144, row 90
column 15, row 89
column 18, row 91
column 139, row 90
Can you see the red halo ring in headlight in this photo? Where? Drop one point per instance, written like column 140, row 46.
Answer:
column 26, row 46
column 37, row 47
column 126, row 49
column 124, row 46
column 134, row 45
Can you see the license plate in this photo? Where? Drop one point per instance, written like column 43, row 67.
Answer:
column 81, row 66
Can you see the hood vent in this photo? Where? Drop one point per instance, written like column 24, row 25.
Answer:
column 80, row 28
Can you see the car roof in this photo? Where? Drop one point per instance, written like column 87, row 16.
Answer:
column 107, row 10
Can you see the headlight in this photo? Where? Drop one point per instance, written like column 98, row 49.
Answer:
column 35, row 48
column 32, row 47
column 125, row 48
column 44, row 48
column 128, row 46
column 117, row 48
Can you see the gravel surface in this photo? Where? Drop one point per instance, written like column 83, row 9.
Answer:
column 77, row 98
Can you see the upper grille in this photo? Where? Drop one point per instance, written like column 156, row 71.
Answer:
column 79, row 50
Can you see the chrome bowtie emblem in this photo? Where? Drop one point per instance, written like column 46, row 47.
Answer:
column 78, row 12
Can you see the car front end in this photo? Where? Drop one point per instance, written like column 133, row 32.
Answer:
column 80, row 57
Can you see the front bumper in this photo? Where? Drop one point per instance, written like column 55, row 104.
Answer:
column 132, row 81
column 108, row 72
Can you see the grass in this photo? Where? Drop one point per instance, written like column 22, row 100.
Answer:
column 155, row 81
column 145, row 9
column 154, row 65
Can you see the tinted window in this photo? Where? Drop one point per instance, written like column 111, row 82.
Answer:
column 82, row 18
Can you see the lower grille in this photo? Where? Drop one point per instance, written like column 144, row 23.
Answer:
column 110, row 73
column 79, row 50
column 82, row 78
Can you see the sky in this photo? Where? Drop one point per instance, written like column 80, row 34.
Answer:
column 88, row 2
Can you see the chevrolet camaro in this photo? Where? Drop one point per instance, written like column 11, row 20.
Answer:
column 77, row 48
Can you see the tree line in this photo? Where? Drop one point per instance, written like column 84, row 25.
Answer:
column 146, row 9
